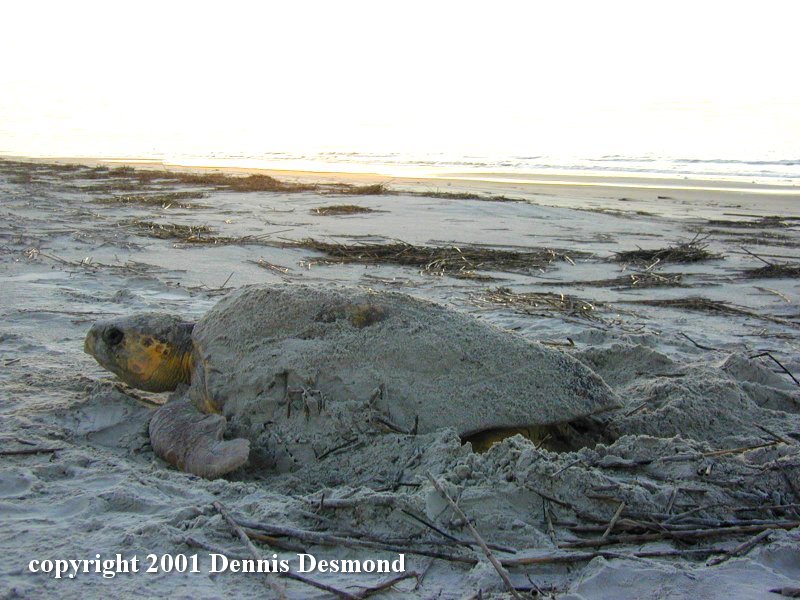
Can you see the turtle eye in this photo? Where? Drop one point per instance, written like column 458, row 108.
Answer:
column 113, row 336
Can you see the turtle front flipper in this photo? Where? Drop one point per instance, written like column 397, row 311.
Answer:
column 192, row 441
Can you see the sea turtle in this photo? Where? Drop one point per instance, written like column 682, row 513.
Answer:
column 292, row 367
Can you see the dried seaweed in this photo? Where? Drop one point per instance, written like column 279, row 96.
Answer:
column 462, row 196
column 774, row 271
column 436, row 260
column 771, row 270
column 249, row 183
column 766, row 222
column 340, row 209
column 706, row 305
column 687, row 252
column 697, row 303
column 375, row 189
column 171, row 231
column 540, row 303
column 635, row 281
column 757, row 238
column 163, row 200
column 191, row 234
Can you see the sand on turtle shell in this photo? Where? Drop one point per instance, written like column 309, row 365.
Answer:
column 297, row 367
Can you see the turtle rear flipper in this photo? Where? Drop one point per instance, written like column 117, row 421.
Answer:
column 184, row 437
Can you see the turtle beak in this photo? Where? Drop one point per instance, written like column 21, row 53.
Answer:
column 89, row 344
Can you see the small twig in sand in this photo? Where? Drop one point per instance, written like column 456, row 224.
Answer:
column 288, row 574
column 495, row 563
column 635, row 409
column 614, row 520
column 696, row 345
column 274, row 542
column 246, row 541
column 741, row 549
column 193, row 542
column 685, row 534
column 386, row 584
column 452, row 538
column 739, row 450
column 551, row 531
column 774, row 292
column 562, row 469
column 318, row 537
column 777, row 362
column 778, row 437
column 24, row 451
column 787, row 592
column 671, row 502
column 280, row 270
column 756, row 256
column 573, row 557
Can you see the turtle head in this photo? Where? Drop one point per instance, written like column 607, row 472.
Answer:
column 150, row 351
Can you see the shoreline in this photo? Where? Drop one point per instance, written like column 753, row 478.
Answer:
column 658, row 196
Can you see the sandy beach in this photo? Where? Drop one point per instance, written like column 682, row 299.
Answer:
column 681, row 294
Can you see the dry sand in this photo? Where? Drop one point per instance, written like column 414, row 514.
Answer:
column 709, row 436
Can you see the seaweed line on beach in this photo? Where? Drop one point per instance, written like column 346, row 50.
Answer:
column 462, row 260
column 341, row 209
column 163, row 200
column 771, row 270
column 706, row 305
column 695, row 250
column 635, row 281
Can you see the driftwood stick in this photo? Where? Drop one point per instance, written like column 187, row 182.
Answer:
column 696, row 345
column 254, row 552
column 765, row 507
column 738, row 450
column 275, row 542
column 741, row 549
column 193, row 542
column 237, row 530
column 777, row 362
column 572, row 464
column 672, row 534
column 776, row 436
column 672, row 497
column 317, row 537
column 452, row 538
column 386, row 584
column 379, row 499
column 495, row 563
column 614, row 520
column 587, row 556
column 683, row 515
column 756, row 256
column 551, row 532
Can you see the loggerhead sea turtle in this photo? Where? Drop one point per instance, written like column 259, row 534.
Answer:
column 289, row 367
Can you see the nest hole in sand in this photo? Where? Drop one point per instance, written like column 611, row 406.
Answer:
column 569, row 436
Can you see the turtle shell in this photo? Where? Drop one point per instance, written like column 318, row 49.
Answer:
column 295, row 354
